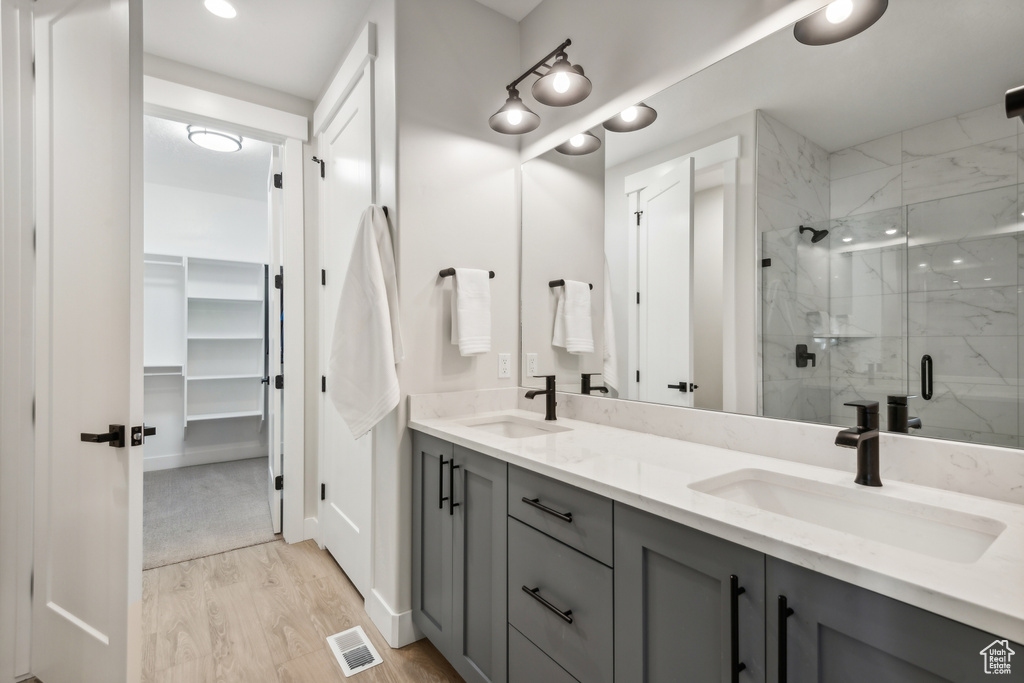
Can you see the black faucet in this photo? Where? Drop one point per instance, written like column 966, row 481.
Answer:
column 863, row 437
column 585, row 386
column 549, row 393
column 899, row 414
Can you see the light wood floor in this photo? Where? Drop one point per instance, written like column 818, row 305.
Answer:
column 261, row 614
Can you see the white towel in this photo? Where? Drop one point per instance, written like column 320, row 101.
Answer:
column 574, row 329
column 610, row 372
column 361, row 380
column 471, row 311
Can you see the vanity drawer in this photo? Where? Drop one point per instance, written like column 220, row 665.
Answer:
column 590, row 530
column 527, row 664
column 569, row 581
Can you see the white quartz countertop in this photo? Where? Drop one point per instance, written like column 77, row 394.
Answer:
column 653, row 473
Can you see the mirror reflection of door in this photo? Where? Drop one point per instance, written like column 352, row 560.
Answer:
column 665, row 279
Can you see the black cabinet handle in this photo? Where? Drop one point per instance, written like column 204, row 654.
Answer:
column 535, row 502
column 566, row 616
column 785, row 612
column 441, row 498
column 926, row 377
column 451, row 487
column 735, row 591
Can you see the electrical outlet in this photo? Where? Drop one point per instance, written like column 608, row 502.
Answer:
column 504, row 365
column 531, row 365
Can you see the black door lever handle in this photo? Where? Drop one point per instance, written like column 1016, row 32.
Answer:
column 114, row 438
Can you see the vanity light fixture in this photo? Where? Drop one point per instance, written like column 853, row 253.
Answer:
column 214, row 140
column 631, row 118
column 839, row 20
column 580, row 144
column 1015, row 104
column 221, row 8
column 563, row 84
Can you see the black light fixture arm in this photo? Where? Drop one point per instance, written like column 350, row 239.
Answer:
column 532, row 71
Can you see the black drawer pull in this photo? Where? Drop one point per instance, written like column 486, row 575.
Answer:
column 735, row 591
column 566, row 616
column 441, row 498
column 785, row 611
column 535, row 502
column 451, row 487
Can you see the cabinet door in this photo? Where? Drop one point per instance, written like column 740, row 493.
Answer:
column 478, row 648
column 674, row 604
column 432, row 541
column 841, row 633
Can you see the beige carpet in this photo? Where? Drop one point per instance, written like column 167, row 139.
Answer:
column 197, row 511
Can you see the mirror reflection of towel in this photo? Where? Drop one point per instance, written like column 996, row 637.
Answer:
column 610, row 371
column 574, row 328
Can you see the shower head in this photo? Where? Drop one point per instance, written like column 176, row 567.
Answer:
column 816, row 235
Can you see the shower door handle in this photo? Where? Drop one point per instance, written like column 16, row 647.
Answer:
column 926, row 377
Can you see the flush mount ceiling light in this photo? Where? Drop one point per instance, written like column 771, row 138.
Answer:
column 631, row 118
column 515, row 117
column 579, row 144
column 215, row 140
column 838, row 21
column 563, row 84
column 221, row 8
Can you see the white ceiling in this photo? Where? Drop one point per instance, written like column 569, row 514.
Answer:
column 292, row 46
column 170, row 159
column 923, row 61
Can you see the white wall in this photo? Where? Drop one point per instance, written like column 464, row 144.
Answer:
column 631, row 50
column 708, row 244
column 563, row 238
column 186, row 222
column 618, row 226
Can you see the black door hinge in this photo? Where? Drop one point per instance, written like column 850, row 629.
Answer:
column 279, row 180
column 323, row 383
column 637, row 375
column 638, row 214
column 279, row 281
column 32, row 583
column 279, row 482
column 323, row 277
column 323, row 166
column 766, row 262
column 638, row 297
column 323, row 491
column 279, row 382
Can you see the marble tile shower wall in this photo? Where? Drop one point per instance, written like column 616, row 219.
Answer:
column 792, row 190
column 952, row 190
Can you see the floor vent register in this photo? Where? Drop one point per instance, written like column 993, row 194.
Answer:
column 354, row 651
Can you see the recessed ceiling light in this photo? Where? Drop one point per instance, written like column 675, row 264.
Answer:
column 222, row 8
column 891, row 232
column 214, row 140
column 839, row 11
column 847, row 239
column 988, row 279
column 923, row 265
column 958, row 260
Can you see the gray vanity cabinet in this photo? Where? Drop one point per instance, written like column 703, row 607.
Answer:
column 460, row 503
column 841, row 632
column 677, row 603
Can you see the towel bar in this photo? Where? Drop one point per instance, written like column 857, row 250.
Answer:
column 561, row 283
column 450, row 272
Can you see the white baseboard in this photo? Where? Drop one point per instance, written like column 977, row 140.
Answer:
column 397, row 629
column 311, row 530
column 205, row 456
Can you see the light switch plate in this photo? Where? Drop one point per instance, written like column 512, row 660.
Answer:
column 504, row 365
column 531, row 365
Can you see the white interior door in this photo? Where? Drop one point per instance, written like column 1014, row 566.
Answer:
column 345, row 463
column 274, row 403
column 665, row 272
column 88, row 496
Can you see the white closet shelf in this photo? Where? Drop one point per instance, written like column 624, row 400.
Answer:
column 227, row 299
column 201, row 378
column 223, row 416
column 223, row 337
column 161, row 370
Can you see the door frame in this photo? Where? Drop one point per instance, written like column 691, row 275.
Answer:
column 724, row 154
column 193, row 105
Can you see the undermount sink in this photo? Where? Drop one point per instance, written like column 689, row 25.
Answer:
column 927, row 529
column 514, row 427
